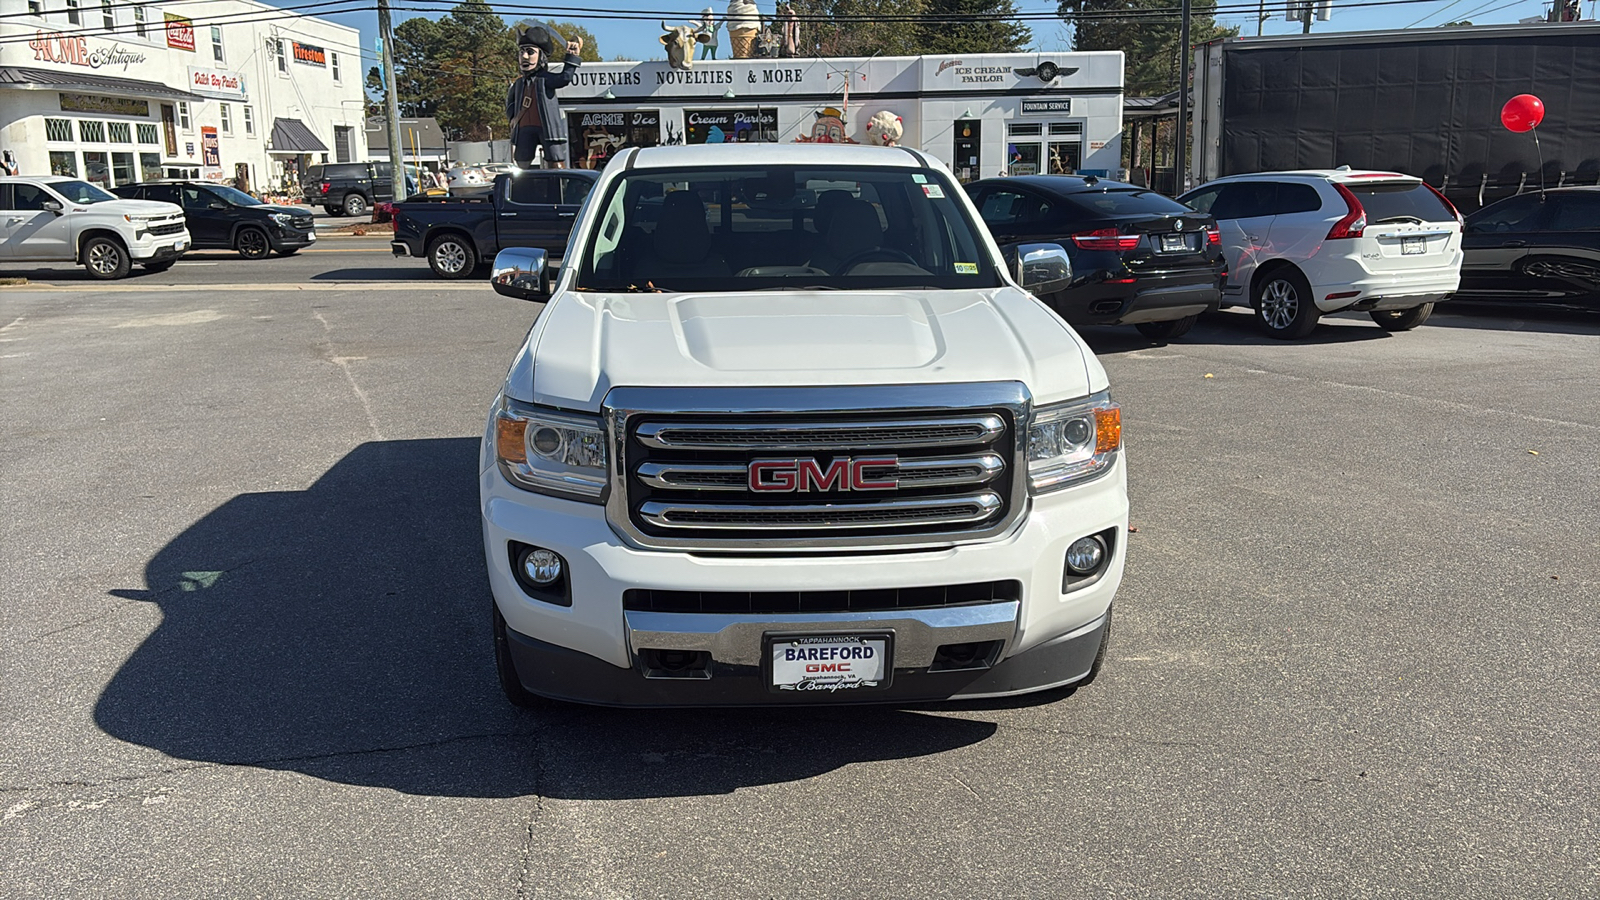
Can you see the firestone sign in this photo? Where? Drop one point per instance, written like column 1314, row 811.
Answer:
column 309, row 54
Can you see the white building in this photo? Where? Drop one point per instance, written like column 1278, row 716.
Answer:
column 1025, row 112
column 226, row 90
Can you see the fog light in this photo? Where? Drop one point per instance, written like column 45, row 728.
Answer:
column 1085, row 554
column 541, row 566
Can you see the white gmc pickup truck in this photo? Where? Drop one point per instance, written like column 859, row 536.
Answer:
column 791, row 429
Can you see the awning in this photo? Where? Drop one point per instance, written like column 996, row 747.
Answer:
column 292, row 136
column 51, row 79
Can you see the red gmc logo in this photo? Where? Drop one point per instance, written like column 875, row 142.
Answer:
column 802, row 475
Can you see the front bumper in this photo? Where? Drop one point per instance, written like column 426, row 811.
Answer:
column 155, row 248
column 591, row 651
column 285, row 238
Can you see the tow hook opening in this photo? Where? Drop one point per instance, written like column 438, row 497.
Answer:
column 964, row 657
column 675, row 663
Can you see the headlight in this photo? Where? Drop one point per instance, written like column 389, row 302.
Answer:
column 283, row 219
column 558, row 453
column 1072, row 442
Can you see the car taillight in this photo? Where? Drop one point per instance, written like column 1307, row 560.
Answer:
column 325, row 186
column 1105, row 239
column 1447, row 204
column 1354, row 221
column 1213, row 236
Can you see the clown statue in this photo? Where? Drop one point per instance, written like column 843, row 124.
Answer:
column 531, row 107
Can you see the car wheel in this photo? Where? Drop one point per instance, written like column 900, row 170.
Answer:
column 105, row 258
column 158, row 266
column 1166, row 331
column 503, row 667
column 451, row 257
column 252, row 243
column 355, row 205
column 1402, row 319
column 1284, row 306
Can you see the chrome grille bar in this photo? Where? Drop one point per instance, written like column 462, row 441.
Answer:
column 956, row 510
column 953, row 431
column 932, row 471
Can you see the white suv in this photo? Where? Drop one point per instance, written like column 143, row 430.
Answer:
column 57, row 219
column 1300, row 244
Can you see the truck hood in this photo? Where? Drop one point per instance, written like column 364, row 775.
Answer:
column 130, row 208
column 584, row 344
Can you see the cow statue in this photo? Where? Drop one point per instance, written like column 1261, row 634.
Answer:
column 885, row 129
column 679, row 41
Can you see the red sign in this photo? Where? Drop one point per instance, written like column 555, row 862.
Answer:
column 210, row 153
column 805, row 475
column 180, row 32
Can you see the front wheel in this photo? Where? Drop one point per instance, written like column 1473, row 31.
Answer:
column 1402, row 319
column 1166, row 331
column 1284, row 306
column 105, row 259
column 252, row 243
column 355, row 205
column 510, row 684
column 451, row 257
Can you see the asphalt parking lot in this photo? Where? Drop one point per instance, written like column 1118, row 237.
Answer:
column 244, row 635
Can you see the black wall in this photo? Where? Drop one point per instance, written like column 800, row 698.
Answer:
column 1423, row 107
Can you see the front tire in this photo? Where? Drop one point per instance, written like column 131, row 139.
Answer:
column 1166, row 331
column 1402, row 319
column 451, row 256
column 355, row 205
column 252, row 243
column 510, row 684
column 1284, row 305
column 105, row 259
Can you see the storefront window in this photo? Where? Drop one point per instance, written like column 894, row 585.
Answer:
column 122, row 168
column 64, row 162
column 1065, row 157
column 58, row 129
column 149, row 167
column 120, row 132
column 596, row 136
column 96, row 170
column 147, row 133
column 92, row 132
column 728, row 126
column 1022, row 158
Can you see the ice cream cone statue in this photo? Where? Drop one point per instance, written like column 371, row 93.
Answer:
column 744, row 22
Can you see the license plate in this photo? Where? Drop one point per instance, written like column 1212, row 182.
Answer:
column 180, row 246
column 1413, row 246
column 311, row 237
column 1174, row 243
column 830, row 663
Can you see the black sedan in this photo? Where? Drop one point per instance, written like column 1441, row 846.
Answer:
column 1138, row 258
column 1534, row 248
column 224, row 218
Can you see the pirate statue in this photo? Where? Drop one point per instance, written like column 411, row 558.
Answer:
column 531, row 106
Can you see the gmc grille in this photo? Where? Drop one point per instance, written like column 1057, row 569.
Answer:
column 770, row 602
column 687, row 476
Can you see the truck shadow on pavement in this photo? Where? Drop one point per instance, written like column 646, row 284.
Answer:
column 1232, row 328
column 342, row 632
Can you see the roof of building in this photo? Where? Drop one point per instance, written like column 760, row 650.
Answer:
column 58, row 78
column 421, row 133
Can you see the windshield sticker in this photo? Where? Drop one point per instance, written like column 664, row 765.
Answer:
column 966, row 268
column 919, row 179
column 934, row 191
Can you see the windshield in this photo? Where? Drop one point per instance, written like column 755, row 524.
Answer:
column 760, row 228
column 234, row 196
column 80, row 192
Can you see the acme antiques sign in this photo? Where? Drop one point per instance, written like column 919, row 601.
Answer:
column 74, row 51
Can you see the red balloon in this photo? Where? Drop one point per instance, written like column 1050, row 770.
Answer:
column 1522, row 113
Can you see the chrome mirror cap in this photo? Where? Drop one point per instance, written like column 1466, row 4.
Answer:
column 1042, row 268
column 521, row 272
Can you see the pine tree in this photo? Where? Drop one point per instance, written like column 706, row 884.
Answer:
column 1149, row 40
column 1002, row 34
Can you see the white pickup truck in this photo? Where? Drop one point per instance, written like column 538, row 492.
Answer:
column 59, row 219
column 791, row 429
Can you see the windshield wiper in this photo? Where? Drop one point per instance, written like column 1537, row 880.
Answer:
column 647, row 288
column 803, row 287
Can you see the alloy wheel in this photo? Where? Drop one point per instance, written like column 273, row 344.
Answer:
column 1280, row 302
column 451, row 256
column 105, row 258
column 252, row 244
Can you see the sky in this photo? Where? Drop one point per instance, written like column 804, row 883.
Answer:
column 641, row 39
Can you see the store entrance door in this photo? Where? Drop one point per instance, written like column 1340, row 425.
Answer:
column 967, row 160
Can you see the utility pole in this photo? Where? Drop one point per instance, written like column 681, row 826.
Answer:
column 1305, row 12
column 397, row 153
column 1181, row 133
column 1261, row 16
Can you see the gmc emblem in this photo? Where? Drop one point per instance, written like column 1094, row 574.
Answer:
column 803, row 475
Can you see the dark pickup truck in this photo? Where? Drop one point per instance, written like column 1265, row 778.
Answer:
column 531, row 208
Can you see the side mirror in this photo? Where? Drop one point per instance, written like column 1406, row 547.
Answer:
column 1040, row 268
column 53, row 206
column 521, row 272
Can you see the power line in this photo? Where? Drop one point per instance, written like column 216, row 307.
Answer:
column 278, row 14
